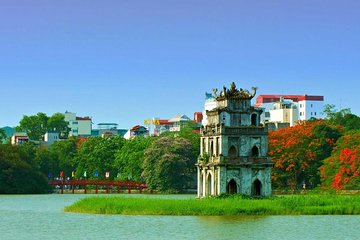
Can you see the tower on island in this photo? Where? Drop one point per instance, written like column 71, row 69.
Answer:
column 234, row 146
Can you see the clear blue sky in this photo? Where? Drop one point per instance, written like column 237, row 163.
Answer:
column 125, row 61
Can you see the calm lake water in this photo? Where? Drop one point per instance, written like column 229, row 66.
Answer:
column 42, row 217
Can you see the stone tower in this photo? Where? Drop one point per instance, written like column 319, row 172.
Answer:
column 233, row 147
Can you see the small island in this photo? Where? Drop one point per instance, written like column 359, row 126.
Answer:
column 236, row 205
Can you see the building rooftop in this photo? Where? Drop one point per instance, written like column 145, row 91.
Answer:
column 296, row 98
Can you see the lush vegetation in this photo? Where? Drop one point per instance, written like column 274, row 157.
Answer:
column 37, row 125
column 19, row 172
column 237, row 205
column 169, row 164
column 91, row 158
column 317, row 153
column 341, row 170
column 297, row 153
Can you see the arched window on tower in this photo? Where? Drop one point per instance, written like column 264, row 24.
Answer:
column 254, row 119
column 232, row 151
column 255, row 151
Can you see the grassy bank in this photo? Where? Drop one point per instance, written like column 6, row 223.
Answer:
column 279, row 205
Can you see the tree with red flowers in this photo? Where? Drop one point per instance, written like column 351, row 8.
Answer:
column 297, row 153
column 341, row 170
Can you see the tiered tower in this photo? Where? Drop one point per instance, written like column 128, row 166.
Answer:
column 234, row 147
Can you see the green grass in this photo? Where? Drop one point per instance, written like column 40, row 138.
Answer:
column 232, row 206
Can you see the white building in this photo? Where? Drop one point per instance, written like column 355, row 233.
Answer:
column 79, row 126
column 290, row 108
column 210, row 104
column 284, row 111
column 51, row 137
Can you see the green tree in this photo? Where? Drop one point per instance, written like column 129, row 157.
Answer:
column 19, row 173
column 2, row 135
column 37, row 125
column 342, row 117
column 57, row 123
column 168, row 163
column 188, row 131
column 129, row 160
column 60, row 157
column 97, row 154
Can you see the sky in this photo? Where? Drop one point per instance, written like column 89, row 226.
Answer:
column 124, row 61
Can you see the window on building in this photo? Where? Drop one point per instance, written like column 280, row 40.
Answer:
column 75, row 123
column 255, row 151
column 311, row 114
column 254, row 119
column 315, row 113
column 232, row 151
column 311, row 105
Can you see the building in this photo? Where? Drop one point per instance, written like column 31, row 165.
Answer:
column 79, row 126
column 19, row 138
column 233, row 147
column 290, row 108
column 161, row 126
column 51, row 137
column 284, row 111
column 178, row 122
column 136, row 131
column 107, row 130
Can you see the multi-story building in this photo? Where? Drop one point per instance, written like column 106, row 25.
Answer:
column 79, row 126
column 234, row 147
column 161, row 126
column 284, row 111
column 136, row 131
column 108, row 129
column 178, row 122
column 290, row 108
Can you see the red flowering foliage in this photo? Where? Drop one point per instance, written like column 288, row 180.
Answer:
column 297, row 152
column 341, row 170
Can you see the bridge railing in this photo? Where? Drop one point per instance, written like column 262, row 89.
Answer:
column 129, row 185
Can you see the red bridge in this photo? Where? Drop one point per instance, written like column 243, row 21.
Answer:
column 129, row 185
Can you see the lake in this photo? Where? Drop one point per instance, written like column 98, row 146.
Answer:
column 42, row 217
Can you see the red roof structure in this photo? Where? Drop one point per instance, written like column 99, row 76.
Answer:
column 296, row 98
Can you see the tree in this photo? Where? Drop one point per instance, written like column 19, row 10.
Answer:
column 342, row 117
column 60, row 157
column 2, row 135
column 19, row 173
column 188, row 132
column 57, row 123
column 168, row 163
column 97, row 154
column 341, row 170
column 37, row 125
column 129, row 160
column 298, row 152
